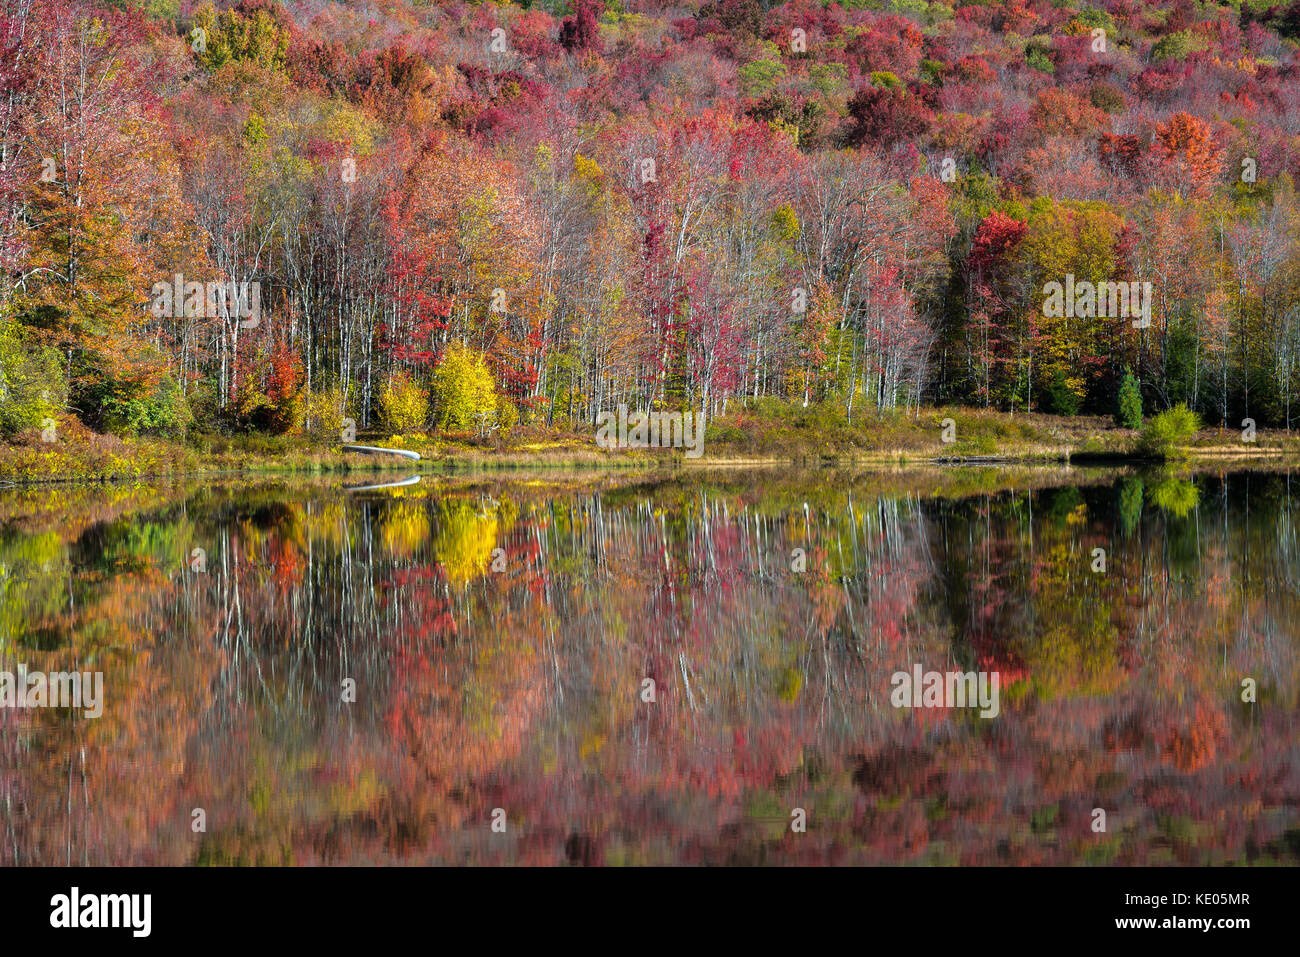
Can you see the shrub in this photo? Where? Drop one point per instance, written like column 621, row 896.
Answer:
column 403, row 405
column 507, row 414
column 205, row 408
column 1038, row 58
column 257, row 411
column 1089, row 17
column 463, row 389
column 1176, row 46
column 718, row 432
column 758, row 76
column 1166, row 431
column 1107, row 96
column 148, row 404
column 1128, row 411
column 32, row 386
column 270, row 394
column 323, row 416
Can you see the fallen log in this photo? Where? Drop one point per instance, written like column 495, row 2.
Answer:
column 374, row 450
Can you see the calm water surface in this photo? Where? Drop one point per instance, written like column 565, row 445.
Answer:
column 363, row 676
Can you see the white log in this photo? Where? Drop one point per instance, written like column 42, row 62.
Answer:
column 373, row 450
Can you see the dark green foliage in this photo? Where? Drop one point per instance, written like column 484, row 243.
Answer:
column 1062, row 399
column 1128, row 411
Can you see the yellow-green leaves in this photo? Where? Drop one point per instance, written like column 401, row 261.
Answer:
column 463, row 389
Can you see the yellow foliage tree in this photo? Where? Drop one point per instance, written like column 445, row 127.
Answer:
column 404, row 405
column 464, row 392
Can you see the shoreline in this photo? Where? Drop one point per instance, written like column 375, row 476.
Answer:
column 946, row 437
column 329, row 462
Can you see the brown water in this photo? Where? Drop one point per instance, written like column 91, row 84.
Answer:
column 500, row 634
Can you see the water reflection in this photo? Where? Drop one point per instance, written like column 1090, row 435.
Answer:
column 403, row 483
column 641, row 672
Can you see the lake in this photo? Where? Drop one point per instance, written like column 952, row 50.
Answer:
column 706, row 667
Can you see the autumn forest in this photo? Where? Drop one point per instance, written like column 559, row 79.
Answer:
column 454, row 214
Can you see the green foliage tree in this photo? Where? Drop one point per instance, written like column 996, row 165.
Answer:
column 1063, row 399
column 1128, row 407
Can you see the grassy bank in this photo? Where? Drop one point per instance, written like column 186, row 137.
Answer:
column 771, row 436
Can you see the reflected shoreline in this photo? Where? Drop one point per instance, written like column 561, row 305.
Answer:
column 667, row 668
